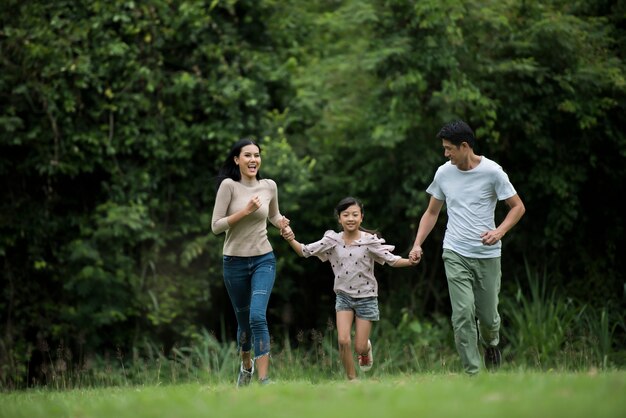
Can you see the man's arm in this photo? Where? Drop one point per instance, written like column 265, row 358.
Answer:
column 427, row 223
column 516, row 211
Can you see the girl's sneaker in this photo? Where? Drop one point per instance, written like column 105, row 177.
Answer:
column 366, row 360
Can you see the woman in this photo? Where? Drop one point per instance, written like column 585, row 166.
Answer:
column 244, row 203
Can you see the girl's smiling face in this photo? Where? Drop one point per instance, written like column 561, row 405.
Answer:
column 350, row 219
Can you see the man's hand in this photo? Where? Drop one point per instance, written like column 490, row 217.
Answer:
column 416, row 254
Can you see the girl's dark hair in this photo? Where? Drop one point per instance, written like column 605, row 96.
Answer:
column 345, row 203
column 229, row 169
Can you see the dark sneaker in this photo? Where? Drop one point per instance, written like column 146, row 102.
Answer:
column 366, row 360
column 266, row 381
column 245, row 376
column 493, row 357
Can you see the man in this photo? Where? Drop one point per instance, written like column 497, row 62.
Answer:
column 470, row 185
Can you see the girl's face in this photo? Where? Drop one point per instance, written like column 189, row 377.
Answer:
column 350, row 219
column 249, row 161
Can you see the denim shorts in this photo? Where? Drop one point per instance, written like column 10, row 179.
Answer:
column 364, row 308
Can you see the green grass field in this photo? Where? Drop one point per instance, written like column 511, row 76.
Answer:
column 502, row 394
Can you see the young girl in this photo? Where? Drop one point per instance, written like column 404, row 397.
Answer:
column 352, row 253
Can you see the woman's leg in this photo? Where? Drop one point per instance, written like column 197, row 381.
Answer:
column 237, row 282
column 263, row 277
column 246, row 360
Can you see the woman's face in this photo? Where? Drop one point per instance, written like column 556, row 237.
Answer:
column 249, row 161
column 351, row 218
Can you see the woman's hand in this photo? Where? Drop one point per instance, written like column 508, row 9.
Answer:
column 253, row 205
column 287, row 233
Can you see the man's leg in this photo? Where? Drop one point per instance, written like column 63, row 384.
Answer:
column 486, row 293
column 460, row 287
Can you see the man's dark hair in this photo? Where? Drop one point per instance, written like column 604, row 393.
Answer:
column 457, row 132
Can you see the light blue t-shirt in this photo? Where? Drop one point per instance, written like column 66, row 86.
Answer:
column 470, row 197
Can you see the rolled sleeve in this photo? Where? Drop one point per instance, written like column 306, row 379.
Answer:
column 322, row 248
column 383, row 254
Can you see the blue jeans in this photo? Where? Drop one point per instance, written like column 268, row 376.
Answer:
column 249, row 282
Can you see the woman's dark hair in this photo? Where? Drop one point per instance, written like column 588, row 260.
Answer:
column 345, row 203
column 229, row 168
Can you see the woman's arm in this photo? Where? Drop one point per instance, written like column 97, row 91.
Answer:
column 221, row 222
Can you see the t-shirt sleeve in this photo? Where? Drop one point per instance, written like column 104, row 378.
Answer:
column 321, row 249
column 504, row 187
column 219, row 221
column 434, row 189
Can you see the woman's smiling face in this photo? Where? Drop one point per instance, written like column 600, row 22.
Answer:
column 249, row 161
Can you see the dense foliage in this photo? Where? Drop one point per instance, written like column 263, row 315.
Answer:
column 115, row 116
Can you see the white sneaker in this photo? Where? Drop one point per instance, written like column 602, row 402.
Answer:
column 245, row 375
column 366, row 360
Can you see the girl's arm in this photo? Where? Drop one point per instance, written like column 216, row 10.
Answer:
column 405, row 262
column 288, row 234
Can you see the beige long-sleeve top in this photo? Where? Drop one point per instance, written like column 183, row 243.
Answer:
column 248, row 237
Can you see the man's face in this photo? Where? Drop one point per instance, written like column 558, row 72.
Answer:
column 453, row 153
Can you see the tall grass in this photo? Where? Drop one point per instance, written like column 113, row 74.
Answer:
column 544, row 330
column 541, row 330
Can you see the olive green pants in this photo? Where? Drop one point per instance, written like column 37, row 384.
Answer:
column 474, row 285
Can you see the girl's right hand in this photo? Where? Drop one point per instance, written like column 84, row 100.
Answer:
column 416, row 254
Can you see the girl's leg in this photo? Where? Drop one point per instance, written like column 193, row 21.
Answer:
column 263, row 277
column 344, row 327
column 362, row 335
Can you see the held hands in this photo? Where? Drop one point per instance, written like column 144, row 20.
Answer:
column 288, row 234
column 415, row 256
column 285, row 230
